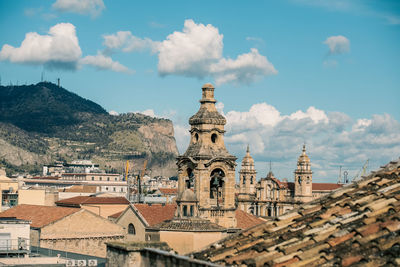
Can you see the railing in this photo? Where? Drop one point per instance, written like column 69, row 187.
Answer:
column 19, row 245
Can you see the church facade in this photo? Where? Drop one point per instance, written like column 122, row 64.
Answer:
column 206, row 176
column 271, row 197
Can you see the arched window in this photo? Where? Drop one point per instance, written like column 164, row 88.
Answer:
column 131, row 229
column 244, row 179
column 216, row 183
column 251, row 180
column 214, row 138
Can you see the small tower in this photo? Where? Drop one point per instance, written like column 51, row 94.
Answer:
column 207, row 168
column 303, row 178
column 247, row 175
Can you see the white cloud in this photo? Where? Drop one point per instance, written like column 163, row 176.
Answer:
column 182, row 137
column 191, row 51
column 338, row 44
column 245, row 69
column 196, row 51
column 113, row 113
column 333, row 139
column 91, row 7
column 59, row 49
column 102, row 62
column 125, row 41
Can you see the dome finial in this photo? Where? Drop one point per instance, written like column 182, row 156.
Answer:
column 248, row 149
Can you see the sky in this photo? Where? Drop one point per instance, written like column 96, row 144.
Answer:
column 323, row 73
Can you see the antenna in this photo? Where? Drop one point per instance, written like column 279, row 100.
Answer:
column 340, row 175
column 41, row 78
column 58, row 82
column 270, row 166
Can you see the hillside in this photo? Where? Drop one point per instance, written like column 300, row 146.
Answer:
column 43, row 122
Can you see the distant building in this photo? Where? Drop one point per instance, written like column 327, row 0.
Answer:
column 45, row 196
column 102, row 206
column 67, row 229
column 14, row 236
column 271, row 197
column 8, row 190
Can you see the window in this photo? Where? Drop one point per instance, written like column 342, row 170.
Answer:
column 185, row 210
column 196, row 137
column 92, row 178
column 131, row 229
column 106, row 188
column 101, row 178
column 122, row 189
column 191, row 210
column 251, row 180
column 114, row 189
column 115, row 178
column 108, row 178
column 214, row 138
column 244, row 179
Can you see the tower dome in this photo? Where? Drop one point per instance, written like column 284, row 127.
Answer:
column 248, row 160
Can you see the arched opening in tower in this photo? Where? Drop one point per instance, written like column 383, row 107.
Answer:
column 189, row 181
column 216, row 185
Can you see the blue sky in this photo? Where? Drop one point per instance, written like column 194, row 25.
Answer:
column 323, row 72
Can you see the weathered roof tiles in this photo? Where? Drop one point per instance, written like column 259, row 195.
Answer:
column 356, row 224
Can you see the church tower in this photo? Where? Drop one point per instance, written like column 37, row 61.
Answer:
column 206, row 171
column 247, row 175
column 303, row 178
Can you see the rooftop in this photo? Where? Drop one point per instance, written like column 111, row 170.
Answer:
column 356, row 224
column 155, row 213
column 39, row 215
column 189, row 225
column 82, row 200
column 246, row 220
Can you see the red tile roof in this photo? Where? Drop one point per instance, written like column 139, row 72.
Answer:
column 168, row 191
column 246, row 220
column 39, row 215
column 325, row 186
column 82, row 200
column 156, row 213
column 80, row 189
column 116, row 215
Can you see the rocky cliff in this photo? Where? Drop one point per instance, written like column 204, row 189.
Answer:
column 43, row 122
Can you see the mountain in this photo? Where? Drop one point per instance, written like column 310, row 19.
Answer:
column 43, row 122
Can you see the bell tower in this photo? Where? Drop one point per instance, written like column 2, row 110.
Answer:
column 303, row 178
column 206, row 168
column 247, row 175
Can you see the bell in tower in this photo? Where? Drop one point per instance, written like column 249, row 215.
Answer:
column 206, row 168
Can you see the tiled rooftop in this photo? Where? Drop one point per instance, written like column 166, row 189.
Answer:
column 356, row 224
column 80, row 189
column 192, row 224
column 39, row 215
column 156, row 213
column 246, row 220
column 82, row 200
column 168, row 191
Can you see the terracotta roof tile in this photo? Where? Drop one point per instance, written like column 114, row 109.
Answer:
column 168, row 191
column 80, row 189
column 246, row 220
column 325, row 186
column 357, row 223
column 39, row 215
column 82, row 200
column 155, row 213
column 116, row 215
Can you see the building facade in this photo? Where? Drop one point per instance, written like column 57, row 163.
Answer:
column 271, row 197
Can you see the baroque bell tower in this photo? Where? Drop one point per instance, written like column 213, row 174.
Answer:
column 303, row 178
column 206, row 171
